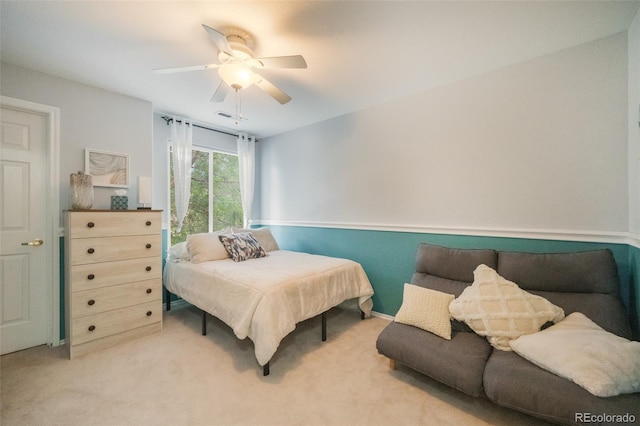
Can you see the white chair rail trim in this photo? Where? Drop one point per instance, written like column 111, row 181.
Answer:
column 612, row 237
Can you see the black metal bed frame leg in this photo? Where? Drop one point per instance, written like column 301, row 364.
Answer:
column 167, row 295
column 324, row 326
column 265, row 369
column 204, row 323
column 361, row 314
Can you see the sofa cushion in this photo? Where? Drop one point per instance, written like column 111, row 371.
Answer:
column 577, row 272
column 452, row 264
column 606, row 310
column 458, row 362
column 449, row 270
column 581, row 351
column 512, row 381
column 584, row 282
column 426, row 309
column 498, row 309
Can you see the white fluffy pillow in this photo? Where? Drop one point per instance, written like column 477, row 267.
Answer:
column 577, row 349
column 206, row 247
column 426, row 309
column 500, row 310
column 178, row 252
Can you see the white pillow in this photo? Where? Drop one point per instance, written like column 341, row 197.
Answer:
column 578, row 349
column 263, row 235
column 178, row 252
column 500, row 310
column 206, row 247
column 426, row 309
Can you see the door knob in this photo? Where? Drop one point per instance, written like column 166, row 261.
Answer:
column 35, row 242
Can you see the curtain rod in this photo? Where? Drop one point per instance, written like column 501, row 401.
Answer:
column 170, row 119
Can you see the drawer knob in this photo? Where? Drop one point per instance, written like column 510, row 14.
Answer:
column 148, row 223
column 91, row 224
column 92, row 327
column 90, row 276
column 91, row 251
column 148, row 268
column 148, row 245
column 91, row 302
column 149, row 313
column 149, row 291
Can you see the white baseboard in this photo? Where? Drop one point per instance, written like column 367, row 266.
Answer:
column 381, row 315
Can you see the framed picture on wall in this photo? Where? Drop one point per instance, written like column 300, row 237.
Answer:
column 109, row 169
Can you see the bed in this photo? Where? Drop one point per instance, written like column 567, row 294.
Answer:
column 263, row 298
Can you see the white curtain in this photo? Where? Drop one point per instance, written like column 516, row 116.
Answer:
column 181, row 138
column 247, row 164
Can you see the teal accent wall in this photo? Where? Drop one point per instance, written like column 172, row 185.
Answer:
column 388, row 257
column 634, row 287
column 165, row 246
column 62, row 301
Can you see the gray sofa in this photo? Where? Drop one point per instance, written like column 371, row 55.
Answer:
column 584, row 282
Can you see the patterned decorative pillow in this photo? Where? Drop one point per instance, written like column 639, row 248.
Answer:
column 500, row 310
column 242, row 246
column 426, row 309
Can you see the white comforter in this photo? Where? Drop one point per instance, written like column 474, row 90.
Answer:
column 264, row 298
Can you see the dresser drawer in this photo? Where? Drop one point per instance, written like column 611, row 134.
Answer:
column 93, row 250
column 104, row 299
column 96, row 275
column 106, row 224
column 104, row 324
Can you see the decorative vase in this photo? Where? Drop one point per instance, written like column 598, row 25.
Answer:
column 81, row 191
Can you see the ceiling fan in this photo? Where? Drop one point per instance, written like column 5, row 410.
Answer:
column 237, row 65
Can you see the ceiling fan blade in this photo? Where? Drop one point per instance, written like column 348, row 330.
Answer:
column 219, row 39
column 295, row 61
column 183, row 69
column 220, row 93
column 272, row 90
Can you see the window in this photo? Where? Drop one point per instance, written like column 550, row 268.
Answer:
column 215, row 194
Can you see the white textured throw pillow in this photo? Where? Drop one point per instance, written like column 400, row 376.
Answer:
column 206, row 247
column 500, row 310
column 578, row 349
column 426, row 309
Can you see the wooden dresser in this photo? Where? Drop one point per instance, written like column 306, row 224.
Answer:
column 113, row 275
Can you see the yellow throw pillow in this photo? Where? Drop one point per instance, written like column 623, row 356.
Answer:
column 426, row 309
column 500, row 310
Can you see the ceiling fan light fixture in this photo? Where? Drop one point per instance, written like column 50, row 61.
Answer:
column 236, row 75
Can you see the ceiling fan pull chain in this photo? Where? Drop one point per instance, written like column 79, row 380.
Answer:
column 237, row 106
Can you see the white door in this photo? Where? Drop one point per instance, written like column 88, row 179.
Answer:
column 24, row 303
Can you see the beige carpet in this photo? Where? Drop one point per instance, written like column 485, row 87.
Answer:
column 179, row 377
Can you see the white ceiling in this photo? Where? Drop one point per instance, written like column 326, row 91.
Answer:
column 359, row 53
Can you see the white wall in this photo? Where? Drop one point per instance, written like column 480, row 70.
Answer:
column 89, row 118
column 201, row 137
column 634, row 126
column 539, row 145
